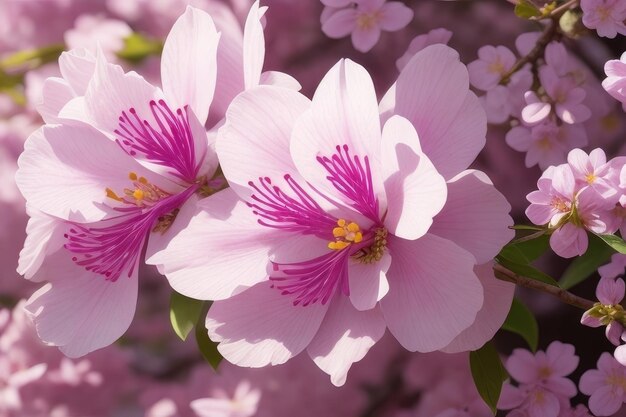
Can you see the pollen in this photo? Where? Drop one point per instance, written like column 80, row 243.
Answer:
column 376, row 250
column 591, row 178
column 141, row 194
column 345, row 234
column 366, row 21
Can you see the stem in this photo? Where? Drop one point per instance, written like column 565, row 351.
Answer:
column 563, row 295
column 546, row 37
column 563, row 8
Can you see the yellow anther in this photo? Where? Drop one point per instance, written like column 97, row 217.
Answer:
column 138, row 194
column 111, row 194
column 132, row 176
column 590, row 178
column 143, row 180
column 345, row 233
column 338, row 245
column 339, row 232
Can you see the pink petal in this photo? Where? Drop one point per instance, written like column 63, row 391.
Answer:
column 56, row 93
column 224, row 227
column 522, row 366
column 569, row 241
column 394, row 16
column 77, row 67
column 344, row 337
column 112, row 91
column 415, row 190
column 498, row 296
column 44, row 236
column 424, row 310
column 279, row 79
column 66, row 169
column 261, row 327
column 368, row 282
column 188, row 62
column 80, row 311
column 364, row 39
column 433, row 93
column 562, row 358
column 340, row 24
column 253, row 46
column 591, row 381
column 254, row 142
column 475, row 217
column 344, row 111
column 519, row 138
column 605, row 401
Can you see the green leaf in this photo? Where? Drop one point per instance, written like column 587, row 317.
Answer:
column 184, row 313
column 208, row 348
column 488, row 373
column 526, row 227
column 522, row 321
column 582, row 267
column 527, row 271
column 138, row 47
column 525, row 9
column 527, row 251
column 32, row 58
column 615, row 242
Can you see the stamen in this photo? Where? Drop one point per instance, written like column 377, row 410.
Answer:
column 345, row 234
column 353, row 179
column 280, row 211
column 143, row 193
column 314, row 280
column 170, row 143
column 113, row 249
column 375, row 251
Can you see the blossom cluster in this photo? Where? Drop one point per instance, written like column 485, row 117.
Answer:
column 584, row 195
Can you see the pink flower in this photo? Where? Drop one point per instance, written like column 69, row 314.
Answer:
column 420, row 42
column 605, row 385
column 529, row 401
column 593, row 170
column 365, row 20
column 308, row 254
column 605, row 16
column 244, row 403
column 504, row 101
column 12, row 380
column 615, row 268
column 112, row 196
column 608, row 312
column 547, row 369
column 545, row 144
column 92, row 31
column 491, row 66
column 615, row 83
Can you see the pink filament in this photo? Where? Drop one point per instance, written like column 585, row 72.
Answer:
column 114, row 249
column 172, row 145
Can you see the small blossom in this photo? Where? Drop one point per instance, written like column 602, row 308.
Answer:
column 244, row 403
column 615, row 83
column 605, row 16
column 365, row 20
column 492, row 65
column 420, row 42
column 606, row 386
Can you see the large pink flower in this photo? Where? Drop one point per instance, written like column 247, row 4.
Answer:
column 335, row 228
column 109, row 186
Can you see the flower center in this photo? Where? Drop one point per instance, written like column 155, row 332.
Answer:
column 616, row 381
column 143, row 193
column 345, row 234
column 590, row 178
column 497, row 67
column 560, row 204
column 375, row 251
column 545, row 372
column 366, row 21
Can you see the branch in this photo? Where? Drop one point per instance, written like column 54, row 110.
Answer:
column 563, row 295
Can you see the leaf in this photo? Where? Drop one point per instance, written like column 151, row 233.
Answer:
column 525, row 9
column 582, row 267
column 527, row 271
column 138, row 47
column 488, row 373
column 184, row 314
column 527, row 251
column 615, row 242
column 522, row 321
column 208, row 348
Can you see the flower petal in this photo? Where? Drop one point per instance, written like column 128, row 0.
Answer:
column 498, row 297
column 433, row 93
column 344, row 337
column 368, row 282
column 416, row 192
column 261, row 327
column 424, row 310
column 189, row 62
column 80, row 311
column 253, row 46
column 475, row 217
